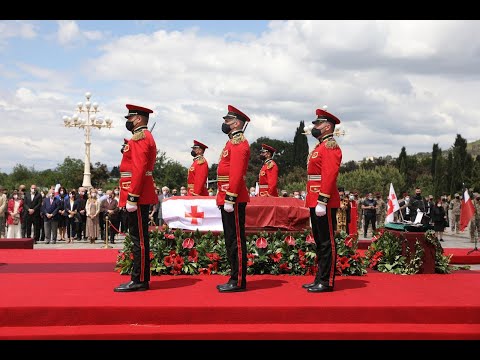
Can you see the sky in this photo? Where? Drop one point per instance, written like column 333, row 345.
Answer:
column 392, row 83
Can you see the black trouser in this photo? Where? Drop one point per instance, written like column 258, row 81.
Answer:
column 369, row 218
column 101, row 221
column 236, row 243
column 35, row 220
column 114, row 222
column 80, row 227
column 138, row 230
column 323, row 228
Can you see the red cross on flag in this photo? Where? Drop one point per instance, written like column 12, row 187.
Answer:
column 392, row 204
column 195, row 213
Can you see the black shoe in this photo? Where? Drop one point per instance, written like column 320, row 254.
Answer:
column 132, row 286
column 320, row 288
column 231, row 288
column 441, row 240
column 232, row 282
column 307, row 286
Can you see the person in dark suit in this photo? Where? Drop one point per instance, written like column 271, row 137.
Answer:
column 31, row 205
column 50, row 212
column 70, row 208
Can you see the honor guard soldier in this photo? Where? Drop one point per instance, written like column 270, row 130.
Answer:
column 137, row 193
column 198, row 172
column 323, row 199
column 267, row 179
column 232, row 197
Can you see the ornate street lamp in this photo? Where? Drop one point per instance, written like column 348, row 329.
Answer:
column 91, row 121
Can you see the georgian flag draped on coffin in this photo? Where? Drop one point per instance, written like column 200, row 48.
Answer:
column 467, row 210
column 192, row 213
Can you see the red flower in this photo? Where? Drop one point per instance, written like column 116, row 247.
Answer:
column 261, row 243
column 152, row 256
column 301, row 254
column 251, row 256
column 204, row 271
column 309, row 239
column 168, row 261
column 213, row 256
column 290, row 240
column 122, row 256
column 250, row 263
column 285, row 267
column 173, row 253
column 169, row 236
column 193, row 255
column 349, row 241
column 188, row 243
column 131, row 256
column 178, row 261
column 276, row 257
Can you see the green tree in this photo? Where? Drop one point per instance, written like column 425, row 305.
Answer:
column 212, row 176
column 436, row 153
column 459, row 163
column 100, row 175
column 115, row 173
column 22, row 175
column 295, row 180
column 300, row 147
column 70, row 173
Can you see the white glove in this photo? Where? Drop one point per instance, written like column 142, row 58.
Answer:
column 131, row 208
column 320, row 210
column 228, row 207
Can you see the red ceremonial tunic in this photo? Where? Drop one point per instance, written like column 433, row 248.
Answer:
column 323, row 165
column 197, row 177
column 267, row 179
column 136, row 169
column 232, row 169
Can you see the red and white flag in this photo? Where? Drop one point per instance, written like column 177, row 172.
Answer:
column 392, row 204
column 467, row 212
column 192, row 212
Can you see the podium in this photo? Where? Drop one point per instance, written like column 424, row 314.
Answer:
column 413, row 233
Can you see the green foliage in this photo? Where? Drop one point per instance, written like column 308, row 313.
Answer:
column 385, row 254
column 300, row 147
column 295, row 180
column 186, row 252
column 376, row 179
column 168, row 172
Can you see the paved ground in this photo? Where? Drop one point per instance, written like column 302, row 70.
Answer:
column 461, row 240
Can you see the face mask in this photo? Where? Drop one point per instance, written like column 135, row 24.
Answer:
column 61, row 192
column 32, row 191
column 226, row 128
column 418, row 194
column 164, row 193
column 297, row 196
column 211, row 194
column 351, row 197
column 370, row 198
column 407, row 199
column 100, row 192
column 15, row 197
column 94, row 195
column 129, row 125
column 116, row 192
column 316, row 133
column 439, row 205
column 252, row 193
column 193, row 153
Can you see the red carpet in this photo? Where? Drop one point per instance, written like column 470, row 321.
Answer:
column 68, row 294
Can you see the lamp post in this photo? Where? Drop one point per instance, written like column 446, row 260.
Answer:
column 91, row 121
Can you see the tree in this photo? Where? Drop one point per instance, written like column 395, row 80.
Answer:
column 436, row 153
column 300, row 147
column 460, row 172
column 100, row 174
column 348, row 166
column 401, row 161
column 70, row 173
column 295, row 180
column 22, row 175
column 212, row 176
column 115, row 173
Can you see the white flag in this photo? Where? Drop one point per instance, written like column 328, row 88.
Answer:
column 392, row 205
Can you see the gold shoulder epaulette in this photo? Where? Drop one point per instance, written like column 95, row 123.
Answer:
column 200, row 160
column 270, row 165
column 237, row 139
column 331, row 143
column 138, row 136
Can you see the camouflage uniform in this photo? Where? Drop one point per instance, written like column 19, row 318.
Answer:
column 381, row 212
column 475, row 222
column 455, row 206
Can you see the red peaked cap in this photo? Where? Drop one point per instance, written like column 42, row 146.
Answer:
column 137, row 110
column 269, row 148
column 198, row 143
column 325, row 116
column 235, row 113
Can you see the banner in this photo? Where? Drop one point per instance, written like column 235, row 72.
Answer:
column 192, row 213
